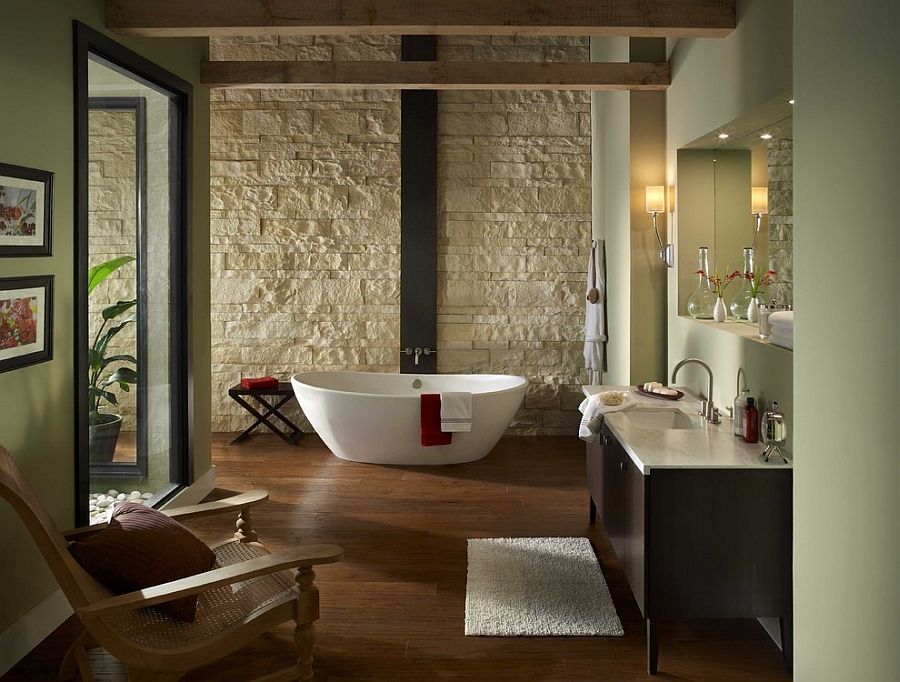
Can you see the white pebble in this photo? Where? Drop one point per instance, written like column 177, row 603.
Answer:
column 103, row 504
column 134, row 495
column 121, row 496
column 112, row 493
column 147, row 496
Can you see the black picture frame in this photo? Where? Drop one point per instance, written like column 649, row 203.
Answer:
column 45, row 352
column 45, row 178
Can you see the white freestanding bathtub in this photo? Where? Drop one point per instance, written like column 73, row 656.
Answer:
column 375, row 418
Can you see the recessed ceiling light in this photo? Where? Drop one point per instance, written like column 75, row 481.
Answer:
column 723, row 136
column 765, row 136
column 790, row 101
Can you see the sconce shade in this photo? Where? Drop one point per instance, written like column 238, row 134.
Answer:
column 656, row 199
column 759, row 200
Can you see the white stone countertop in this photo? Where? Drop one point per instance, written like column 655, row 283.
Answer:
column 711, row 446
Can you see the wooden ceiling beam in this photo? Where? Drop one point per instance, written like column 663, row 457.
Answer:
column 638, row 18
column 438, row 75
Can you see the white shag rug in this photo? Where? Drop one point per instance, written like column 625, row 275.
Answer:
column 538, row 587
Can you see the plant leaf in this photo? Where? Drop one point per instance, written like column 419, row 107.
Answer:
column 103, row 342
column 123, row 375
column 98, row 393
column 106, row 362
column 95, row 360
column 100, row 272
column 117, row 309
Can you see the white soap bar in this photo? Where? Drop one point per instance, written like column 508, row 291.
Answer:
column 667, row 391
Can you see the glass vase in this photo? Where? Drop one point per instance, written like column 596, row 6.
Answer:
column 701, row 302
column 741, row 301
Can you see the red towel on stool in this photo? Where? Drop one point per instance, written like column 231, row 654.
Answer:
column 431, row 421
column 263, row 382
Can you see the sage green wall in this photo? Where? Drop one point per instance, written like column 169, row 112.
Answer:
column 714, row 82
column 628, row 155
column 37, row 403
column 847, row 415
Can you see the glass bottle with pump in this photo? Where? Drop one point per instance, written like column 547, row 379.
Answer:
column 701, row 302
column 740, row 402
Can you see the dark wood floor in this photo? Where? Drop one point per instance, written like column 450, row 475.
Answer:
column 393, row 609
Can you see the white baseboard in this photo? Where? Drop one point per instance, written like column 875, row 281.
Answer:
column 195, row 492
column 31, row 629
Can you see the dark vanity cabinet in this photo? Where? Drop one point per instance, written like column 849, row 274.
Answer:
column 696, row 542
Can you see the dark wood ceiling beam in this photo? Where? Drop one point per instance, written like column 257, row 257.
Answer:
column 438, row 75
column 639, row 18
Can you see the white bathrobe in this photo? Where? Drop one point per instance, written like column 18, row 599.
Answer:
column 595, row 313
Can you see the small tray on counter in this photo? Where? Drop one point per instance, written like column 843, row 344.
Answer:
column 679, row 396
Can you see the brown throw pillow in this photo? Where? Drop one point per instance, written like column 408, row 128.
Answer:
column 143, row 547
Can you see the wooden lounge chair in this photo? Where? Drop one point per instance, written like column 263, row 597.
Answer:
column 248, row 592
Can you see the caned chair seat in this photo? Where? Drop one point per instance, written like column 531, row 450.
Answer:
column 247, row 592
column 218, row 610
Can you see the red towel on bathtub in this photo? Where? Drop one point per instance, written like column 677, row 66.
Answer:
column 431, row 421
column 249, row 384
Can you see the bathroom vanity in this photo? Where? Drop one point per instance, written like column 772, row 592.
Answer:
column 701, row 525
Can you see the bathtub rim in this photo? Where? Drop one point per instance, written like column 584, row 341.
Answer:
column 294, row 379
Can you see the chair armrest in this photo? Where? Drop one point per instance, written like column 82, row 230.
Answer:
column 229, row 504
column 302, row 557
column 83, row 531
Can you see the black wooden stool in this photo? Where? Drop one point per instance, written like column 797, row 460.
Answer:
column 282, row 394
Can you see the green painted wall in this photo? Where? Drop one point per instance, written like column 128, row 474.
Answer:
column 847, row 405
column 37, row 403
column 628, row 155
column 714, row 82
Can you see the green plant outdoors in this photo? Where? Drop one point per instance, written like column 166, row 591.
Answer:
column 100, row 382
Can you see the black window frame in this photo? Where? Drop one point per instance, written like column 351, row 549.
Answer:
column 88, row 42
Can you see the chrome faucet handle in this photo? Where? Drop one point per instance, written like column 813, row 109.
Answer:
column 428, row 351
column 407, row 351
column 704, row 408
column 712, row 414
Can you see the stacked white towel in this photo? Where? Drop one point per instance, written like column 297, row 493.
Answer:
column 592, row 411
column 782, row 325
column 456, row 412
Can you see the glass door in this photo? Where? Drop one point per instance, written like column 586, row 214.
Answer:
column 131, row 344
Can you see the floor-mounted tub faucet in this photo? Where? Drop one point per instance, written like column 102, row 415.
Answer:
column 709, row 411
column 417, row 352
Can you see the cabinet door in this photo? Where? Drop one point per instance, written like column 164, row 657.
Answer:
column 633, row 485
column 614, row 495
column 594, row 467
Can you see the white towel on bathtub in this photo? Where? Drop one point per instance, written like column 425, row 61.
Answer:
column 456, row 412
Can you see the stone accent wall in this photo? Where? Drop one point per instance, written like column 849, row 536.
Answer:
column 112, row 232
column 514, row 229
column 781, row 220
column 306, row 226
column 305, row 222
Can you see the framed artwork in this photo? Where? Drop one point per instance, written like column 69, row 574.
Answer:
column 26, row 206
column 26, row 321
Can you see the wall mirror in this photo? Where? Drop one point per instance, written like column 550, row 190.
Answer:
column 131, row 298
column 735, row 198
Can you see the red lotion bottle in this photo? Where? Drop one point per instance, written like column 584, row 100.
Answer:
column 751, row 422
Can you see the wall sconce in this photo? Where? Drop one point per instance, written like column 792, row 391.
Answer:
column 655, row 196
column 759, row 206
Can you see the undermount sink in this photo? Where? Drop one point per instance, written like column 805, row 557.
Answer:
column 660, row 418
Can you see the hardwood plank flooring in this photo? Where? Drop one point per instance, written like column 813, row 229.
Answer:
column 393, row 608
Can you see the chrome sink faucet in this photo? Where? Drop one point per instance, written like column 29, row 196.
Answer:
column 708, row 409
column 417, row 353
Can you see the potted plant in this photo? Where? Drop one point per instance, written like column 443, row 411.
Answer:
column 104, row 426
column 719, row 286
column 758, row 284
